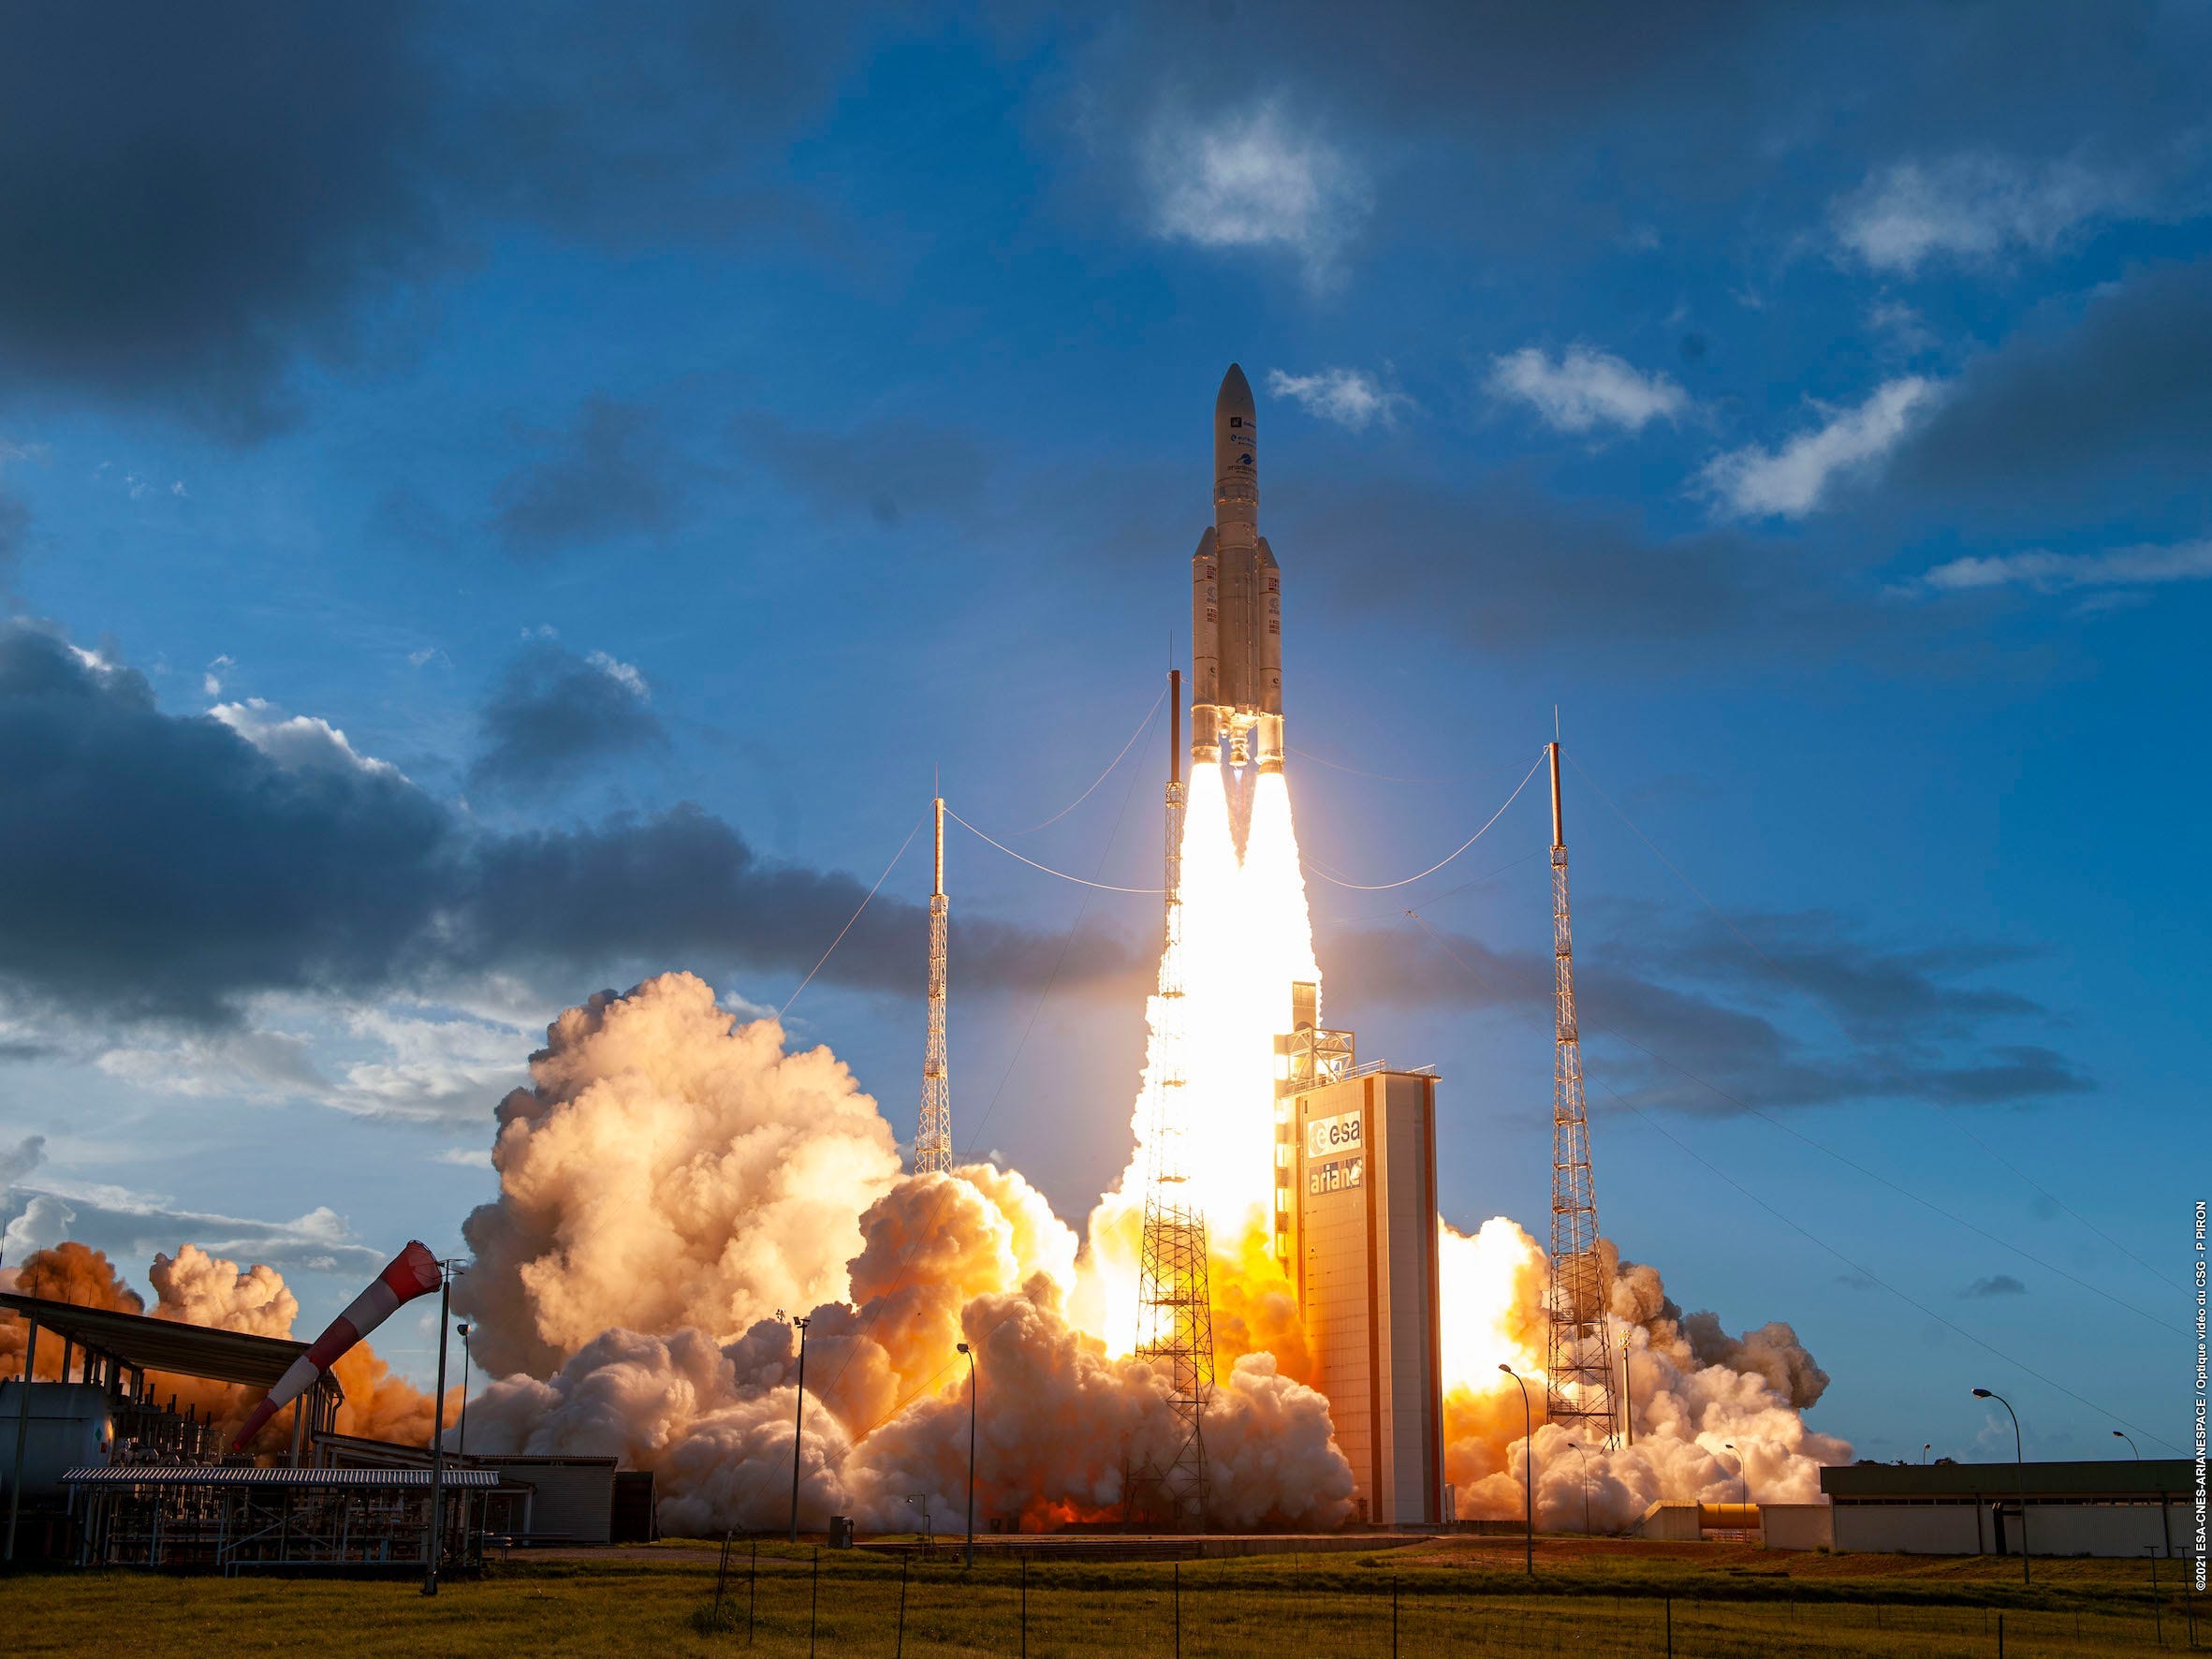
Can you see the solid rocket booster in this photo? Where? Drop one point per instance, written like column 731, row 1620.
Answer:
column 1236, row 602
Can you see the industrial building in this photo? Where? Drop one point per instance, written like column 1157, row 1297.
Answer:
column 1355, row 1217
column 2125, row 1508
column 98, row 1470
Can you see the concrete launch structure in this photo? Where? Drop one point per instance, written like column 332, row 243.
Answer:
column 1236, row 602
column 1356, row 1225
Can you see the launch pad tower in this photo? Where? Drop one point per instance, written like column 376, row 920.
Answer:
column 1175, row 1307
column 1580, row 1395
column 932, row 1135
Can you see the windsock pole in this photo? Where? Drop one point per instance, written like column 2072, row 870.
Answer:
column 435, row 1545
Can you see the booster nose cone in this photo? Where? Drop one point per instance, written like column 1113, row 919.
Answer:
column 1235, row 397
column 1236, row 453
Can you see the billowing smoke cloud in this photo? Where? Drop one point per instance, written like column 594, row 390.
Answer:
column 1696, row 1391
column 672, row 1178
column 668, row 1169
column 203, row 1289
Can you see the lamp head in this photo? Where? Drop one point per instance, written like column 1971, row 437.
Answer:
column 2117, row 1435
column 1507, row 1369
column 961, row 1347
column 1982, row 1394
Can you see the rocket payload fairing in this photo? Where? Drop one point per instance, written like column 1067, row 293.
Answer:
column 1236, row 602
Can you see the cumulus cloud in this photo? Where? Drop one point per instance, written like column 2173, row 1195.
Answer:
column 1353, row 398
column 297, row 742
column 1791, row 481
column 1970, row 208
column 2044, row 572
column 1255, row 177
column 172, row 868
column 1995, row 1285
column 19, row 1160
column 555, row 714
column 1586, row 389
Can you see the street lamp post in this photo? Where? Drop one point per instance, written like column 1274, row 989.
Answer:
column 971, row 1354
column 1628, row 1397
column 1529, row 1485
column 1743, row 1481
column 798, row 1420
column 2019, row 1456
column 462, row 1450
column 1925, row 1447
column 2132, row 1445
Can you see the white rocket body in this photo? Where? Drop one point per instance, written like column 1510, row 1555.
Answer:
column 1236, row 602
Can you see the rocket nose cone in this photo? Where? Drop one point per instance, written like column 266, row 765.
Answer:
column 1235, row 393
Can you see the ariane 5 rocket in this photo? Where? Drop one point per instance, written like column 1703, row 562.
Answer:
column 1236, row 602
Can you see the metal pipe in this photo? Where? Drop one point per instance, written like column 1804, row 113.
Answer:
column 1559, row 833
column 23, row 1430
column 1175, row 726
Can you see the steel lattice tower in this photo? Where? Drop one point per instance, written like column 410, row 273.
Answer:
column 932, row 1135
column 1579, row 1394
column 1175, row 1307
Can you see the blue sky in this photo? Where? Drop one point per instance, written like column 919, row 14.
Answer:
column 657, row 449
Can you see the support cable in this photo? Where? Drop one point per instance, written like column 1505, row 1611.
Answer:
column 1144, row 726
column 975, row 1135
column 856, row 915
column 1103, row 886
column 1813, row 1238
column 1812, row 996
column 1384, row 887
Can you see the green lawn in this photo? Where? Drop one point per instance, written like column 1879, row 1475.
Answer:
column 1589, row 1599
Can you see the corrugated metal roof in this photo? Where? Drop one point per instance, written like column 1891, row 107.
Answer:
column 163, row 1344
column 240, row 1474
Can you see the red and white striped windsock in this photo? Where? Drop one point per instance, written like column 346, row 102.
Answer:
column 412, row 1272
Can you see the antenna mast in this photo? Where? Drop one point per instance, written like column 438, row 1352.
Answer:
column 1580, row 1389
column 932, row 1135
column 1175, row 1305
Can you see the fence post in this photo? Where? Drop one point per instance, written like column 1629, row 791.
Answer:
column 1025, row 1607
column 2000, row 1635
column 814, row 1608
column 899, row 1653
column 1670, row 1627
column 752, row 1589
column 1393, row 1616
column 1178, row 1609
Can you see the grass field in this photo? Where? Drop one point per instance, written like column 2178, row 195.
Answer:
column 1589, row 1597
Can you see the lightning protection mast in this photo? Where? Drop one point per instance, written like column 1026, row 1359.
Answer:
column 932, row 1135
column 1579, row 1393
column 1175, row 1303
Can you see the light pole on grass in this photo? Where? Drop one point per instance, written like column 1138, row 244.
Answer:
column 2019, row 1456
column 798, row 1420
column 1582, row 1451
column 971, row 1354
column 1529, row 1485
